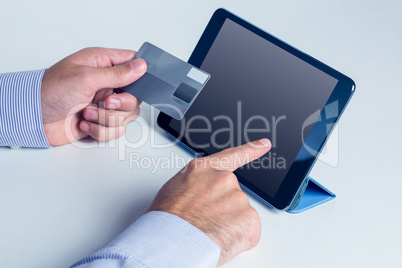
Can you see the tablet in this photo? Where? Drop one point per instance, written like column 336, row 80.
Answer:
column 261, row 87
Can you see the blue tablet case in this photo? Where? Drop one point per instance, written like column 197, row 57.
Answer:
column 314, row 194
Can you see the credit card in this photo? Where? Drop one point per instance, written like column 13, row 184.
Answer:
column 170, row 84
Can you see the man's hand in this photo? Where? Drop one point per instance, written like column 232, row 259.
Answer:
column 207, row 194
column 77, row 95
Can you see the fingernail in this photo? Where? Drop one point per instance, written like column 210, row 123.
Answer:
column 266, row 142
column 91, row 114
column 138, row 66
column 84, row 127
column 114, row 103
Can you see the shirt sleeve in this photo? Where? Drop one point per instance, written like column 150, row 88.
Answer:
column 20, row 110
column 157, row 239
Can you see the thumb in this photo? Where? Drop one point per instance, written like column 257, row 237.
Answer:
column 119, row 75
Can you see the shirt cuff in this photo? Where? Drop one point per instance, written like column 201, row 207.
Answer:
column 20, row 110
column 161, row 239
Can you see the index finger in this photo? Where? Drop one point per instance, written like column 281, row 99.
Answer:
column 102, row 57
column 232, row 158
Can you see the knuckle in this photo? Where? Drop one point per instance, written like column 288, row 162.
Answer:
column 193, row 164
column 108, row 121
column 85, row 113
column 109, row 133
column 86, row 50
column 120, row 120
column 196, row 165
column 241, row 198
column 117, row 72
column 114, row 119
column 137, row 102
column 226, row 180
column 131, row 101
column 255, row 227
column 97, row 132
column 120, row 72
column 254, row 216
column 231, row 150
column 92, row 50
column 129, row 119
column 132, row 117
column 99, row 135
column 137, row 112
column 84, row 76
column 122, row 130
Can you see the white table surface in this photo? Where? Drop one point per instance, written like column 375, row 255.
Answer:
column 61, row 204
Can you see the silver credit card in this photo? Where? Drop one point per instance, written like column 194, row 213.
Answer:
column 170, row 84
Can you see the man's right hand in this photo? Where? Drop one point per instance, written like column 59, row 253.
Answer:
column 207, row 194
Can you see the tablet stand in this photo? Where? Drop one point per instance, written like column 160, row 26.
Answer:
column 314, row 195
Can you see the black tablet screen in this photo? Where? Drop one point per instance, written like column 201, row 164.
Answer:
column 256, row 90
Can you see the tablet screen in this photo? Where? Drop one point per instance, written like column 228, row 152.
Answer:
column 256, row 90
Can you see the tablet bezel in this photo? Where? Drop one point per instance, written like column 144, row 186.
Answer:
column 302, row 165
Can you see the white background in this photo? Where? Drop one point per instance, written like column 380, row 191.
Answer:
column 61, row 204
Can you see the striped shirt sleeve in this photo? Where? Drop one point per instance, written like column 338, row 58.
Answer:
column 20, row 110
column 157, row 239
